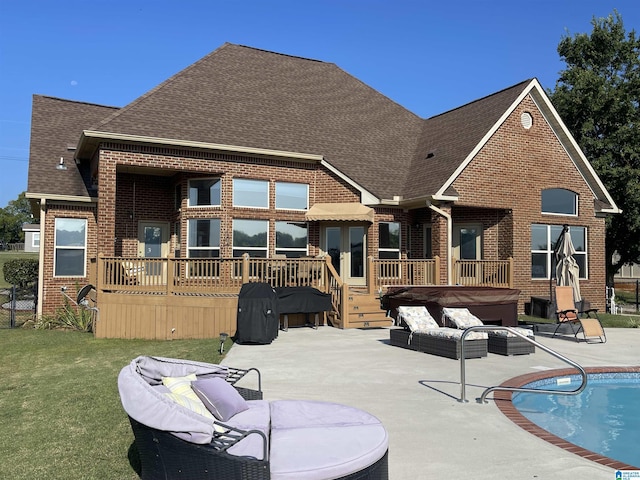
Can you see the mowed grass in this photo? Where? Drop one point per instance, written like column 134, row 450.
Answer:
column 60, row 412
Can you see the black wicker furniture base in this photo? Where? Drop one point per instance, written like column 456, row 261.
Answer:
column 503, row 345
column 437, row 345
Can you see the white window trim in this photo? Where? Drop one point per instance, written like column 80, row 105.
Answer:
column 306, row 185
column 399, row 249
column 234, row 248
column 550, row 252
column 190, row 248
column 233, row 190
column 33, row 239
column 288, row 249
column 555, row 214
column 56, row 247
column 213, row 205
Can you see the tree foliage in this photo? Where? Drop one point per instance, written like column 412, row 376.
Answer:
column 12, row 217
column 598, row 97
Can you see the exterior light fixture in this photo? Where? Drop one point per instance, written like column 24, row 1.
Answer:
column 223, row 338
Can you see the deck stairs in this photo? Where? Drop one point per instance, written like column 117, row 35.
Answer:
column 363, row 310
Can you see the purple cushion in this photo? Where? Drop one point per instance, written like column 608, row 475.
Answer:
column 220, row 398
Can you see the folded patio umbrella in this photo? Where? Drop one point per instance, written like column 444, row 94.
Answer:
column 567, row 268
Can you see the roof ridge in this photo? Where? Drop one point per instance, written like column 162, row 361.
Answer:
column 93, row 104
column 528, row 81
column 182, row 72
column 158, row 87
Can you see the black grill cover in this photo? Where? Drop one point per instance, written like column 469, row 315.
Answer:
column 258, row 317
column 302, row 300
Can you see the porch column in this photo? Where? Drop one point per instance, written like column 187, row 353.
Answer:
column 106, row 205
column 440, row 225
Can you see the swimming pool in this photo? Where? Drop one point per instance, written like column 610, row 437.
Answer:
column 604, row 418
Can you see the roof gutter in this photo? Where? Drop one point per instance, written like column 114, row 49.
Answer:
column 89, row 140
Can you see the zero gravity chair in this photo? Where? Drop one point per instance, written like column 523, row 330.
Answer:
column 568, row 314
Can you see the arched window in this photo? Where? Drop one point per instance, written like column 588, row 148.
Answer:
column 559, row 201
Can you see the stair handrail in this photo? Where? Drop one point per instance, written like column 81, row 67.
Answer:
column 559, row 356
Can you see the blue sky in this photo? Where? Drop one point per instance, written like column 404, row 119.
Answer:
column 427, row 56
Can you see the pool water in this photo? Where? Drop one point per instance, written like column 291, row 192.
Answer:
column 604, row 418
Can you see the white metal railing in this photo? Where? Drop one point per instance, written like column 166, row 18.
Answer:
column 482, row 398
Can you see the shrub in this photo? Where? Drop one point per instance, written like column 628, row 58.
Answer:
column 68, row 317
column 21, row 271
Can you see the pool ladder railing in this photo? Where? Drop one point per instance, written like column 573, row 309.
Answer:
column 482, row 398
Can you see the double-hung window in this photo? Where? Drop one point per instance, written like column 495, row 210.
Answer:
column 204, row 192
column 70, row 246
column 389, row 240
column 291, row 239
column 543, row 242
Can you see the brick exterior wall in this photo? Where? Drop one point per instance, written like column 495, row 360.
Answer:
column 501, row 188
column 51, row 294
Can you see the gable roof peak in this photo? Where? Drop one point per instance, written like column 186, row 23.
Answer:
column 519, row 85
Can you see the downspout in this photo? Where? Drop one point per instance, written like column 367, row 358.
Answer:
column 449, row 237
column 43, row 213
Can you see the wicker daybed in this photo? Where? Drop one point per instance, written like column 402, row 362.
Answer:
column 257, row 439
column 501, row 342
column 420, row 332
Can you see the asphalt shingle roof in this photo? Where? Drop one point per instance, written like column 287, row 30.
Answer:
column 56, row 125
column 248, row 97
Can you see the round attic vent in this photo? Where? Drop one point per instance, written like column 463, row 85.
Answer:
column 526, row 120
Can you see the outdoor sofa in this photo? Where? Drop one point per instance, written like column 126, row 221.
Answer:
column 420, row 332
column 238, row 435
column 501, row 342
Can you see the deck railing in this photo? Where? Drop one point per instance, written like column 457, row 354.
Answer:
column 184, row 276
column 483, row 273
column 387, row 273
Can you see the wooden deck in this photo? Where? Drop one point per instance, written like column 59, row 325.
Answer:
column 174, row 298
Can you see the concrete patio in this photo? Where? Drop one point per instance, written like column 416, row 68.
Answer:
column 415, row 395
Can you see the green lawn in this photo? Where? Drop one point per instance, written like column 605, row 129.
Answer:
column 60, row 410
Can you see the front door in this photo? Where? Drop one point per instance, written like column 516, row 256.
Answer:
column 346, row 245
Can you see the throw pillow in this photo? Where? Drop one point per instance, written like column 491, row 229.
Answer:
column 220, row 398
column 195, row 406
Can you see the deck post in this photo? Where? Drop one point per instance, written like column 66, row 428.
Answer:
column 436, row 270
column 245, row 268
column 510, row 273
column 371, row 275
column 100, row 273
column 171, row 270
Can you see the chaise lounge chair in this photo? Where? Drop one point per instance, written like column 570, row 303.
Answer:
column 422, row 333
column 568, row 314
column 501, row 342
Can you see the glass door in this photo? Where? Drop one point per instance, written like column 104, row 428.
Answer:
column 153, row 242
column 467, row 245
column 347, row 248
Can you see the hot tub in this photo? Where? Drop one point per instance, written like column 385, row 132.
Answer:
column 494, row 306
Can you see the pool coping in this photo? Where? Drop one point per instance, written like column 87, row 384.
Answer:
column 503, row 401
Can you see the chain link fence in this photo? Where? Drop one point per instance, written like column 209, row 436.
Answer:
column 17, row 306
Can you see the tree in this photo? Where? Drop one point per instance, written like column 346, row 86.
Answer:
column 598, row 98
column 12, row 217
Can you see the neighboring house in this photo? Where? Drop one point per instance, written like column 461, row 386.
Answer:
column 249, row 151
column 31, row 237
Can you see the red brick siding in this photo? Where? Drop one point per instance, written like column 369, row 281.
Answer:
column 51, row 296
column 508, row 174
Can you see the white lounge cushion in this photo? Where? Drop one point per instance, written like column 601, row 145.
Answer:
column 256, row 417
column 417, row 318
column 321, row 440
column 505, row 333
column 460, row 318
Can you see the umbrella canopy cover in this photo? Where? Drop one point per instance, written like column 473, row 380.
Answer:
column 567, row 268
